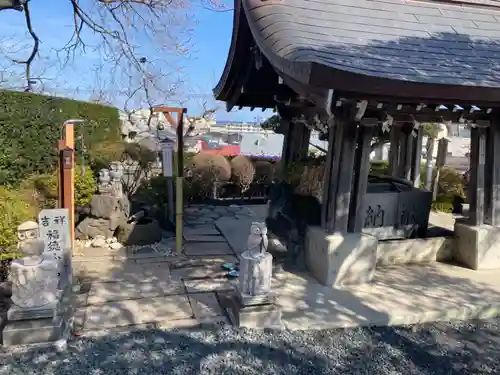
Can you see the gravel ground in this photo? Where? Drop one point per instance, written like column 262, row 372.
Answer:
column 460, row 348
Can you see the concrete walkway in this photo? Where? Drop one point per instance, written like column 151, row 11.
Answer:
column 141, row 287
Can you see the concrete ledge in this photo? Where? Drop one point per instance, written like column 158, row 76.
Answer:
column 417, row 250
column 477, row 247
column 341, row 258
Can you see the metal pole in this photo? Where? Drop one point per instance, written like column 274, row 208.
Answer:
column 179, row 182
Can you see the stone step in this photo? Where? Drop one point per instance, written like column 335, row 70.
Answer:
column 137, row 311
column 104, row 292
column 120, row 271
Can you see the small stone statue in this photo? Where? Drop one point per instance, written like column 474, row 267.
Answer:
column 26, row 232
column 256, row 264
column 257, row 239
column 104, row 182
column 116, row 173
column 34, row 277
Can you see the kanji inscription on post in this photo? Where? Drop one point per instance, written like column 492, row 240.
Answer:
column 55, row 231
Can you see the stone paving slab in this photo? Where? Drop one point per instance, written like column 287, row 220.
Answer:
column 208, row 285
column 126, row 272
column 236, row 232
column 107, row 292
column 205, row 305
column 138, row 311
column 406, row 294
column 201, row 267
column 207, row 248
column 204, row 238
column 201, row 230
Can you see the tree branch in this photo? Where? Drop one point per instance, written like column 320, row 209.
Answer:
column 34, row 51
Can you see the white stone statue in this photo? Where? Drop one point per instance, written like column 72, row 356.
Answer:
column 256, row 265
column 34, row 277
column 257, row 239
column 104, row 182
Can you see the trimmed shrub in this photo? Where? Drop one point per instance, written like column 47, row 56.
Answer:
column 31, row 125
column 14, row 209
column 44, row 188
column 265, row 171
column 242, row 171
column 204, row 172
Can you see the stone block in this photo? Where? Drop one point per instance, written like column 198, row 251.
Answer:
column 92, row 228
column 415, row 250
column 253, row 316
column 104, row 206
column 145, row 231
column 341, row 258
column 205, row 305
column 207, row 248
column 256, row 270
column 25, row 332
column 17, row 313
column 477, row 247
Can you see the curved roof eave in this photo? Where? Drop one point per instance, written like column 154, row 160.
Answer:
column 428, row 50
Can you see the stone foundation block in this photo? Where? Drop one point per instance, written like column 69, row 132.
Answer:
column 262, row 316
column 34, row 331
column 341, row 258
column 477, row 247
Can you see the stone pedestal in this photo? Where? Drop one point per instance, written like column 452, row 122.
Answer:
column 341, row 258
column 40, row 310
column 252, row 306
column 256, row 271
column 477, row 247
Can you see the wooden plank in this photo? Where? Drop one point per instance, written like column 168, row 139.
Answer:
column 476, row 183
column 416, row 164
column 361, row 168
column 492, row 176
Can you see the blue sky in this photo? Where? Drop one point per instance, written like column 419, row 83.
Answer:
column 210, row 39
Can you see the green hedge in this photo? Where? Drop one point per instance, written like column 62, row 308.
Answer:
column 30, row 126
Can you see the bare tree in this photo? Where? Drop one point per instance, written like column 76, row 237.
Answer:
column 121, row 27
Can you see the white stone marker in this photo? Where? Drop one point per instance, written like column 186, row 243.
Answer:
column 56, row 235
column 55, row 231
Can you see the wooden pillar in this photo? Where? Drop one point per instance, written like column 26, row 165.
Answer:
column 361, row 171
column 394, row 150
column 492, row 175
column 67, row 174
column 285, row 127
column 339, row 188
column 476, row 183
column 416, row 164
column 405, row 152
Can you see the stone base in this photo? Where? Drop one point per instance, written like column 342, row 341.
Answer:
column 341, row 258
column 17, row 313
column 254, row 316
column 33, row 331
column 477, row 247
column 248, row 300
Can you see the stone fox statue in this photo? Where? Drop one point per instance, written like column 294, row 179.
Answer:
column 257, row 239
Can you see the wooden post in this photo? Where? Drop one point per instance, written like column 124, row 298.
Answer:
column 179, row 179
column 476, row 183
column 394, row 150
column 361, row 171
column 417, row 158
column 440, row 162
column 67, row 173
column 339, row 190
column 492, row 176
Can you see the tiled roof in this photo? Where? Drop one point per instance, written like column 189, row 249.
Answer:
column 427, row 42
